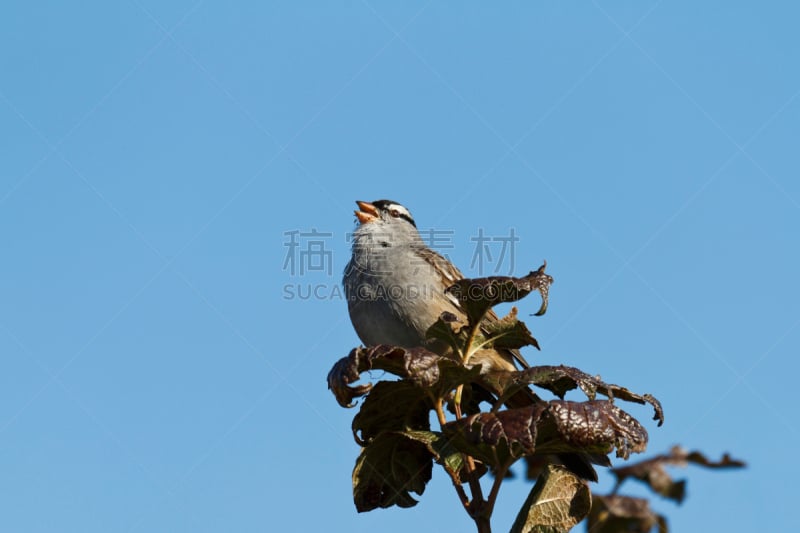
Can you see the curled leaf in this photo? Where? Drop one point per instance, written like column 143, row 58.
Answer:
column 698, row 458
column 561, row 379
column 416, row 364
column 653, row 473
column 344, row 372
column 479, row 294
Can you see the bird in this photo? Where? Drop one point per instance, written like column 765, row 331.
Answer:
column 395, row 287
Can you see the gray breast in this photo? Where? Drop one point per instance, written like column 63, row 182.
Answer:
column 391, row 296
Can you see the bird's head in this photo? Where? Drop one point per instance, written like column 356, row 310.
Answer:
column 386, row 221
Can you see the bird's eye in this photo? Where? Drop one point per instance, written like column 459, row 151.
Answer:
column 395, row 213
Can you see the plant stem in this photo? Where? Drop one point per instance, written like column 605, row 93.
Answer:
column 457, row 401
column 470, row 340
column 484, row 526
column 437, row 405
column 469, row 465
column 474, row 484
column 498, row 480
column 462, row 495
column 478, row 504
column 477, row 508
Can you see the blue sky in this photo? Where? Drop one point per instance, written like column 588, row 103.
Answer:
column 156, row 375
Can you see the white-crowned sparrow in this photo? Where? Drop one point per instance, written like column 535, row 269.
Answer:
column 395, row 288
column 395, row 285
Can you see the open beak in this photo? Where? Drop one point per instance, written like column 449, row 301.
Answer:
column 367, row 212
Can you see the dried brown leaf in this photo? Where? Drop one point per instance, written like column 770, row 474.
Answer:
column 653, row 471
column 561, row 379
column 416, row 364
column 391, row 406
column 613, row 514
column 388, row 470
column 478, row 295
column 556, row 427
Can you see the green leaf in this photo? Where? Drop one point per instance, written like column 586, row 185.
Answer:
column 443, row 452
column 388, row 470
column 478, row 295
column 557, row 502
column 447, row 334
column 506, row 333
column 452, row 374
